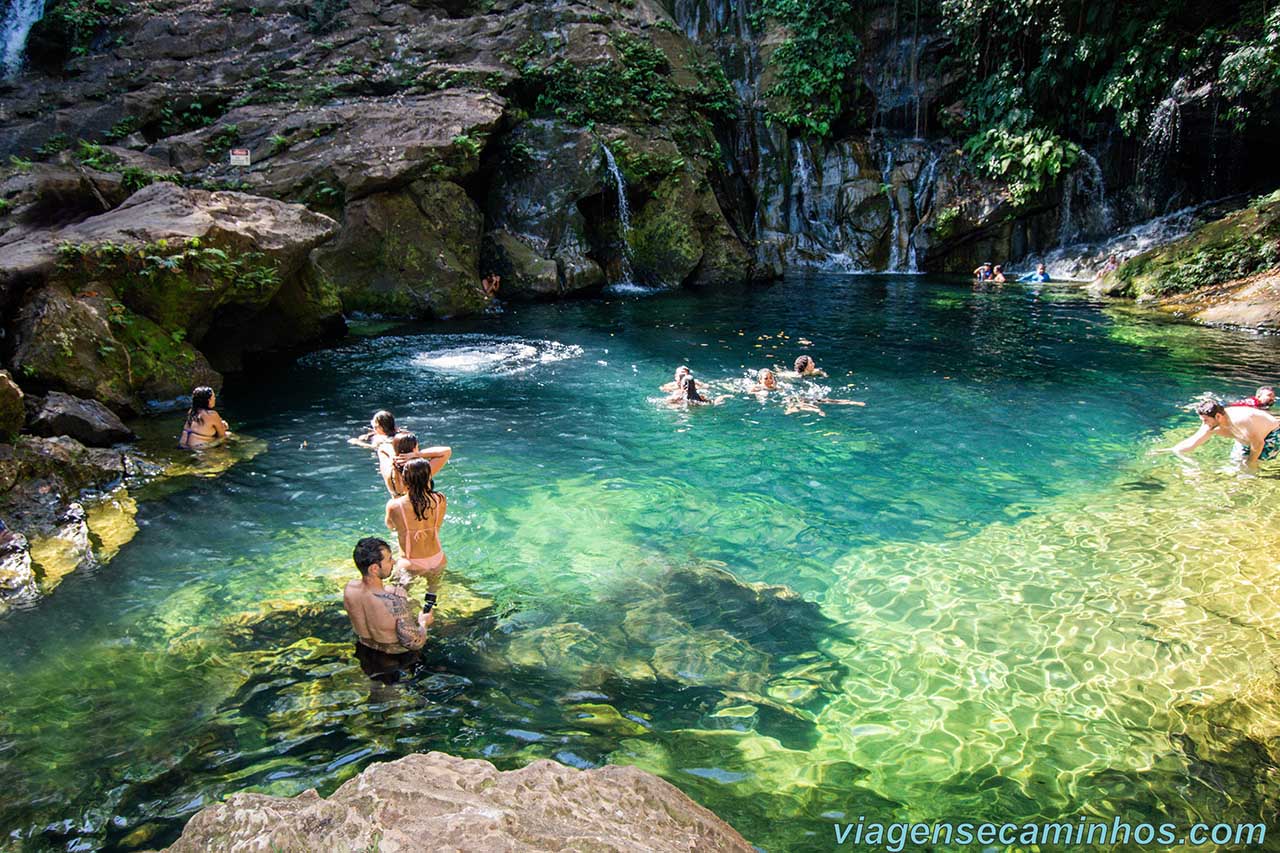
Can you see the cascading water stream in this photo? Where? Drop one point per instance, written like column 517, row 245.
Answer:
column 19, row 17
column 624, row 211
column 1084, row 211
column 802, row 179
column 895, row 248
column 921, row 200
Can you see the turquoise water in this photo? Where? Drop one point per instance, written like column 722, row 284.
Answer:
column 977, row 597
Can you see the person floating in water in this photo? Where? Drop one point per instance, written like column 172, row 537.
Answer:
column 387, row 637
column 674, row 385
column 804, row 366
column 1263, row 398
column 416, row 518
column 688, row 394
column 1256, row 433
column 1040, row 276
column 766, row 381
column 203, row 425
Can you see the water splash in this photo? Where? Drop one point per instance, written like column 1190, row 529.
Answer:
column 475, row 355
column 19, row 18
column 624, row 211
column 1081, row 261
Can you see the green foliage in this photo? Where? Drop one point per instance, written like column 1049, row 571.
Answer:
column 92, row 155
column 521, row 159
column 54, row 145
column 326, row 195
column 1208, row 266
column 1250, row 74
column 322, row 16
column 468, row 144
column 75, row 23
column 20, row 163
column 816, row 69
column 180, row 116
column 278, row 143
column 5, row 204
column 221, row 140
column 122, row 128
column 945, row 222
column 635, row 87
column 1028, row 161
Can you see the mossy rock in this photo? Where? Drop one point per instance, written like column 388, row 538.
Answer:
column 665, row 244
column 414, row 253
column 12, row 410
column 1239, row 245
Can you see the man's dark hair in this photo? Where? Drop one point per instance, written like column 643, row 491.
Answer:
column 368, row 552
column 1210, row 409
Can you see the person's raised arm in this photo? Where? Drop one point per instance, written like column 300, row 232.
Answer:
column 437, row 456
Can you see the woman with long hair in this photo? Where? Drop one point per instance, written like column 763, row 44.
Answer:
column 416, row 518
column 203, row 425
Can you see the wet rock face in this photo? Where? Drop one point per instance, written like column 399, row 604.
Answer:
column 12, row 407
column 413, row 253
column 544, row 806
column 87, row 421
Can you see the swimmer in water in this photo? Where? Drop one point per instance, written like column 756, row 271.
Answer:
column 416, row 517
column 204, row 425
column 674, row 385
column 810, row 404
column 688, row 394
column 1256, row 433
column 766, row 382
column 804, row 366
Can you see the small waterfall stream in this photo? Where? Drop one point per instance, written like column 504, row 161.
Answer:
column 624, row 211
column 19, row 17
column 1084, row 211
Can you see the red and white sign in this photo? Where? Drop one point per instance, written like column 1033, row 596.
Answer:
column 239, row 156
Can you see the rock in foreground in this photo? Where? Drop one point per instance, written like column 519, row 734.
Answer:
column 465, row 804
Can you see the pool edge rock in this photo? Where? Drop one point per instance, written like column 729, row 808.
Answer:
column 398, row 804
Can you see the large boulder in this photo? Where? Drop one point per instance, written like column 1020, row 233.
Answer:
column 471, row 806
column 12, row 407
column 87, row 421
column 413, row 253
column 92, row 346
column 348, row 150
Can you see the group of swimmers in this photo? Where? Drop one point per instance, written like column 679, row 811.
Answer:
column 995, row 273
column 386, row 637
column 683, row 388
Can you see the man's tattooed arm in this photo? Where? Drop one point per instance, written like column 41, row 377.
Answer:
column 408, row 632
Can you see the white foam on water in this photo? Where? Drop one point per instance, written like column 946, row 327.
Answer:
column 474, row 355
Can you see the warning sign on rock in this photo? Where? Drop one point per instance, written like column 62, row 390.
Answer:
column 239, row 156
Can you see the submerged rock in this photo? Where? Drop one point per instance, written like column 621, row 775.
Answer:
column 87, row 421
column 472, row 805
column 17, row 578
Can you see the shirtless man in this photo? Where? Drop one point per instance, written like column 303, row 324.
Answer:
column 675, row 384
column 1257, row 433
column 380, row 616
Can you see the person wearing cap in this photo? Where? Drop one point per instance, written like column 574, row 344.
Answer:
column 983, row 273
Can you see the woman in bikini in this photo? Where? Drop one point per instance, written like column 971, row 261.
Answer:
column 204, row 425
column 416, row 518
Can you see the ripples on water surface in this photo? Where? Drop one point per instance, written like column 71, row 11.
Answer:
column 995, row 605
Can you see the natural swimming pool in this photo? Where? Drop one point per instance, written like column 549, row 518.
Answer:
column 999, row 607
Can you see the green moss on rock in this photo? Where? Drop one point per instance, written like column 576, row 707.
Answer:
column 1239, row 245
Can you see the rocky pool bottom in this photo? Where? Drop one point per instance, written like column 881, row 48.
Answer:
column 977, row 598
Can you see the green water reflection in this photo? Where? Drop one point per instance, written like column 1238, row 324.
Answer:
column 978, row 597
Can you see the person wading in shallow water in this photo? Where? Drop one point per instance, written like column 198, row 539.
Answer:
column 1256, row 433
column 416, row 518
column 387, row 638
column 204, row 425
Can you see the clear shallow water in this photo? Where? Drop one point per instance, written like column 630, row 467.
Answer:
column 989, row 602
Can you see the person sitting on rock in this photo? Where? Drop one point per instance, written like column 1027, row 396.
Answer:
column 380, row 616
column 490, row 284
column 1263, row 398
column 1112, row 264
column 416, row 517
column 1256, row 433
column 674, row 385
column 805, row 366
column 203, row 425
column 1040, row 276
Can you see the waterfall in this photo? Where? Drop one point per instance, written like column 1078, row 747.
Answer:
column 1081, row 261
column 921, row 201
column 19, row 17
column 624, row 211
column 1084, row 211
column 1164, row 135
column 802, row 179
column 895, row 250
